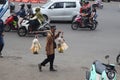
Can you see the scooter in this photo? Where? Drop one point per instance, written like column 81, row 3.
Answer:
column 11, row 23
column 98, row 4
column 101, row 71
column 83, row 22
column 25, row 29
column 118, row 59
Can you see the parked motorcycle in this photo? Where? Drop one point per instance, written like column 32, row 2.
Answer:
column 98, row 4
column 118, row 59
column 11, row 23
column 82, row 22
column 101, row 71
column 26, row 28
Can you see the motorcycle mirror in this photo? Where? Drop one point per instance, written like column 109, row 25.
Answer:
column 107, row 57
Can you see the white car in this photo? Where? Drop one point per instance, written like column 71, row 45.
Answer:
column 61, row 10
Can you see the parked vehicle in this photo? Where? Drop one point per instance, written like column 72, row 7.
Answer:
column 98, row 4
column 118, row 59
column 26, row 28
column 11, row 23
column 119, row 6
column 101, row 71
column 82, row 22
column 61, row 10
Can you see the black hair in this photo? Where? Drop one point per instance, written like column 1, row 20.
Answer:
column 29, row 6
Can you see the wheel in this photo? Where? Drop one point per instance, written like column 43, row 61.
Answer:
column 7, row 28
column 94, row 25
column 22, row 31
column 111, row 74
column 74, row 25
column 45, row 17
column 73, row 18
column 118, row 59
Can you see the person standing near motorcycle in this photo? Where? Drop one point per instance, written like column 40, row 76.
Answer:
column 37, row 20
column 50, row 48
column 1, row 36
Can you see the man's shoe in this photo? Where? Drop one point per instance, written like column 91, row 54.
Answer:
column 40, row 67
column 1, row 55
column 53, row 70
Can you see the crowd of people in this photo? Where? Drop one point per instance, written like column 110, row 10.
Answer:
column 35, row 19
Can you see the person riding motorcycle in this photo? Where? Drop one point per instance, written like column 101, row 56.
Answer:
column 37, row 20
column 85, row 7
column 29, row 11
column 21, row 13
column 85, row 11
column 93, row 14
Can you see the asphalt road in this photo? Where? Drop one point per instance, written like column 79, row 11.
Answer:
column 85, row 46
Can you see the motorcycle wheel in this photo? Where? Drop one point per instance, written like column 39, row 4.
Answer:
column 118, row 59
column 94, row 25
column 111, row 74
column 45, row 17
column 22, row 31
column 7, row 28
column 74, row 25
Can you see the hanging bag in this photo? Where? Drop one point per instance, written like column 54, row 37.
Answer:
column 35, row 47
column 62, row 46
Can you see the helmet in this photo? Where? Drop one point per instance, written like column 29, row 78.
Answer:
column 29, row 5
column 37, row 9
column 86, row 1
column 22, row 4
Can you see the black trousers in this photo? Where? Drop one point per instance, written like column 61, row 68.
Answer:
column 50, row 58
column 1, row 47
column 34, row 24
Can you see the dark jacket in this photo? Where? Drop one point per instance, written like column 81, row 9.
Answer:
column 1, row 27
column 22, row 13
column 1, row 31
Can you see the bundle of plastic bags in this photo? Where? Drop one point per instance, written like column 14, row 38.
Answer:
column 35, row 47
column 62, row 46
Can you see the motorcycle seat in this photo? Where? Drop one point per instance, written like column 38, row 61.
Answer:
column 99, row 67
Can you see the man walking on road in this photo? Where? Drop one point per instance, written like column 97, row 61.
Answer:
column 1, row 36
column 50, row 48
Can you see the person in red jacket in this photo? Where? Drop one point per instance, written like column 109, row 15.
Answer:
column 86, row 6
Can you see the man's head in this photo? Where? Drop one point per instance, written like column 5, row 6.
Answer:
column 53, row 28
